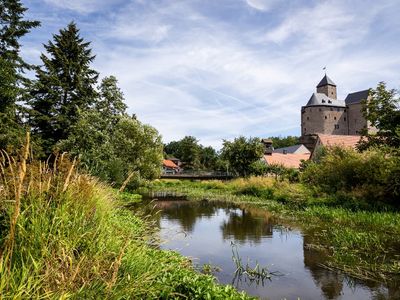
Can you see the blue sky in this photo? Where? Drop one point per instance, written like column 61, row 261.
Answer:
column 217, row 69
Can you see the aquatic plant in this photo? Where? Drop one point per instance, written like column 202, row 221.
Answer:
column 256, row 274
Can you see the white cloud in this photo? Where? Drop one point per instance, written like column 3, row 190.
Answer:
column 188, row 73
column 262, row 5
column 82, row 6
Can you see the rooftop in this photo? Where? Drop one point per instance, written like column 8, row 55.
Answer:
column 329, row 140
column 325, row 81
column 357, row 97
column 296, row 149
column 286, row 160
column 169, row 164
column 322, row 99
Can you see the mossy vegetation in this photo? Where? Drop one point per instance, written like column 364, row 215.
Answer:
column 65, row 235
column 358, row 239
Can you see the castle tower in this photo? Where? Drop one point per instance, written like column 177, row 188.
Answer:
column 324, row 113
column 328, row 87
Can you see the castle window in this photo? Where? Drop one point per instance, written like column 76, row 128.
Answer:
column 334, row 118
column 329, row 101
column 326, row 117
column 323, row 101
column 331, row 109
column 344, row 110
column 337, row 126
column 305, row 129
column 308, row 118
column 345, row 118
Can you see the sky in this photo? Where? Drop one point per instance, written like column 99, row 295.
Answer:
column 218, row 69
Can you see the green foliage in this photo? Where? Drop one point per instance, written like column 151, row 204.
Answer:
column 187, row 150
column 281, row 142
column 12, row 66
column 371, row 175
column 111, row 100
column 64, row 85
column 208, row 158
column 382, row 111
column 11, row 131
column 13, row 27
column 241, row 154
column 114, row 151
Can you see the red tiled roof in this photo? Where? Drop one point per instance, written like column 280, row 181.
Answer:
column 338, row 140
column 169, row 164
column 289, row 160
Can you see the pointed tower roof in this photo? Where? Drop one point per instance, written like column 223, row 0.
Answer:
column 325, row 81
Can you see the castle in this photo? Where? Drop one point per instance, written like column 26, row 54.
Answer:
column 325, row 114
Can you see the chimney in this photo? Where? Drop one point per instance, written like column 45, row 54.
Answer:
column 268, row 148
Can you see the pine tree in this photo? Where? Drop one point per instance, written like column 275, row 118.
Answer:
column 111, row 100
column 65, row 85
column 13, row 26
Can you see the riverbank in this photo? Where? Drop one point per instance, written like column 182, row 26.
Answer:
column 64, row 235
column 358, row 240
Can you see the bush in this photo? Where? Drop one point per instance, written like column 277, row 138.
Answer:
column 372, row 175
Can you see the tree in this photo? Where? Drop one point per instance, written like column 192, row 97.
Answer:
column 382, row 111
column 241, row 154
column 65, row 85
column 187, row 150
column 13, row 26
column 208, row 158
column 111, row 100
column 281, row 142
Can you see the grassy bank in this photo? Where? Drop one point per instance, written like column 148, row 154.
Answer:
column 360, row 239
column 65, row 235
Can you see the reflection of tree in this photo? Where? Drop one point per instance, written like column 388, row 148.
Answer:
column 185, row 212
column 331, row 283
column 243, row 226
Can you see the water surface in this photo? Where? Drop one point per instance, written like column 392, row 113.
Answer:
column 207, row 231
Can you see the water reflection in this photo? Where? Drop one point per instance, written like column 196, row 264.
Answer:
column 211, row 227
column 243, row 227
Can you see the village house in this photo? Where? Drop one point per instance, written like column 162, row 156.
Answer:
column 169, row 167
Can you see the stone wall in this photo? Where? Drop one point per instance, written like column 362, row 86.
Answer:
column 356, row 119
column 328, row 90
column 324, row 119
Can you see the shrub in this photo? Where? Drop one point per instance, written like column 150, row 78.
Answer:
column 371, row 175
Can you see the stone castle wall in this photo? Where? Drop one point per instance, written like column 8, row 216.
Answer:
column 324, row 119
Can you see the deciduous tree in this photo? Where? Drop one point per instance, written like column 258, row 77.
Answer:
column 241, row 154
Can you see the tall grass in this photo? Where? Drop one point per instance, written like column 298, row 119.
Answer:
column 66, row 235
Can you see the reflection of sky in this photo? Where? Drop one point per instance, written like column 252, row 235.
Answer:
column 282, row 252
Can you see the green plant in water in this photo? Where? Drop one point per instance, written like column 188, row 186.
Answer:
column 255, row 274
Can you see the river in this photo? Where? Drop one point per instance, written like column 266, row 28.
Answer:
column 212, row 233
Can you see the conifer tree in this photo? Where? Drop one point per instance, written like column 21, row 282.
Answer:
column 111, row 101
column 65, row 85
column 13, row 26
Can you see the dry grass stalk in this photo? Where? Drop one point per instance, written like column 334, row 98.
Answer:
column 122, row 188
column 116, row 266
column 67, row 179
